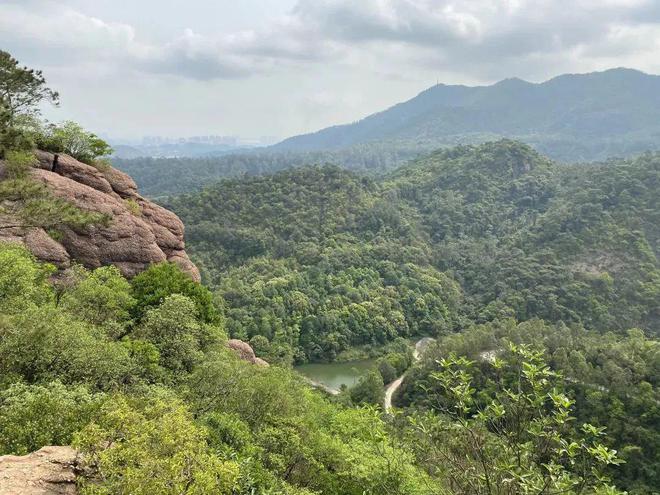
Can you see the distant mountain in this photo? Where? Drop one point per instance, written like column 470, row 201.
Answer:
column 572, row 117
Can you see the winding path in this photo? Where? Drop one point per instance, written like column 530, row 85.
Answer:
column 420, row 347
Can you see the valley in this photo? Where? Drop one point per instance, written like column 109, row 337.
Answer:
column 456, row 296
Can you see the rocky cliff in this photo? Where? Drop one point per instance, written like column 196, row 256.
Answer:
column 49, row 471
column 138, row 234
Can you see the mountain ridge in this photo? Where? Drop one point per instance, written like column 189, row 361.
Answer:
column 613, row 109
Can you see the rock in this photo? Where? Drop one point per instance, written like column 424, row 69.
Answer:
column 45, row 248
column 48, row 471
column 260, row 362
column 139, row 233
column 245, row 352
column 74, row 170
column 123, row 184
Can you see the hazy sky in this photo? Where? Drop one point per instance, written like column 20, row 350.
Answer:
column 128, row 68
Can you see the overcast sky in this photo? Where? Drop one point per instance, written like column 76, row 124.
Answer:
column 129, row 68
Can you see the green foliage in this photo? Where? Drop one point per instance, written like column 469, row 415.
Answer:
column 310, row 261
column 152, row 448
column 102, row 298
column 612, row 380
column 21, row 92
column 175, row 330
column 180, row 413
column 133, row 207
column 44, row 344
column 70, row 138
column 32, row 416
column 23, row 282
column 387, row 371
column 515, row 438
column 368, row 389
column 152, row 286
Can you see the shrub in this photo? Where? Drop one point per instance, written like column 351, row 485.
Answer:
column 32, row 416
column 70, row 138
column 153, row 285
column 133, row 207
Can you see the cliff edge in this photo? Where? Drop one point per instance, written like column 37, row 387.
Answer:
column 138, row 233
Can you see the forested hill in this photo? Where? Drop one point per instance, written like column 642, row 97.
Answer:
column 572, row 117
column 317, row 260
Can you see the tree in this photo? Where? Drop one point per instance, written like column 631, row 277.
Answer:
column 102, row 297
column 22, row 89
column 386, row 370
column 369, row 389
column 153, row 285
column 70, row 138
column 520, row 441
column 177, row 334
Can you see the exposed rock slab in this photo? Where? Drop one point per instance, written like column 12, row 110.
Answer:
column 139, row 233
column 245, row 352
column 48, row 471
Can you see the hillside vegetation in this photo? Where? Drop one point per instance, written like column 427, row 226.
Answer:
column 140, row 377
column 320, row 263
column 571, row 118
column 470, row 234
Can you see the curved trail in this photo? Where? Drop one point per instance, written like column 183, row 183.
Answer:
column 420, row 346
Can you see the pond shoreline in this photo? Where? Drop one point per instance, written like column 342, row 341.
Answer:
column 330, row 376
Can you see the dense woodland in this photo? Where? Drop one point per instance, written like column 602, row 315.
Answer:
column 571, row 118
column 161, row 177
column 472, row 234
column 321, row 264
column 539, row 282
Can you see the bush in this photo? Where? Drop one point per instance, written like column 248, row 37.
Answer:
column 32, row 416
column 369, row 389
column 152, row 286
column 133, row 207
column 70, row 138
column 151, row 449
column 18, row 163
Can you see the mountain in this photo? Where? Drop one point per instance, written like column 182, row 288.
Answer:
column 480, row 246
column 572, row 117
column 515, row 233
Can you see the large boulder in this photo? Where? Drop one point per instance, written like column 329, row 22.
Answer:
column 48, row 471
column 245, row 352
column 138, row 234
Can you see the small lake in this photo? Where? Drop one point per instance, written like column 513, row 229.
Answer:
column 333, row 375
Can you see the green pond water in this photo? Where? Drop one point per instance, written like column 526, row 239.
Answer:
column 333, row 375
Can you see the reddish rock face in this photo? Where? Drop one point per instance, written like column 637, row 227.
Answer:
column 139, row 234
column 245, row 352
column 48, row 471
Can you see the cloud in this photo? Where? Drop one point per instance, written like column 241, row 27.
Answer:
column 481, row 39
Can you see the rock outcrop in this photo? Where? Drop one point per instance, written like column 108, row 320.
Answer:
column 139, row 232
column 245, row 352
column 48, row 471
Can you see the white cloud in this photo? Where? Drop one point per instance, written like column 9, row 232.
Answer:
column 479, row 38
column 315, row 63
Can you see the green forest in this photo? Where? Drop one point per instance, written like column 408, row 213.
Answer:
column 538, row 281
column 322, row 264
column 469, row 235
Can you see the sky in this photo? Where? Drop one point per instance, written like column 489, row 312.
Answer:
column 132, row 68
